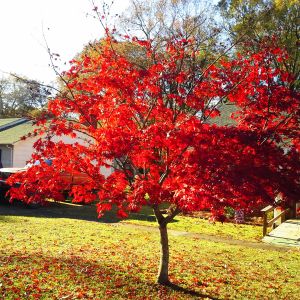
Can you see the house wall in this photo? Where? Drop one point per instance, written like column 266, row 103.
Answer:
column 22, row 152
column 6, row 155
column 24, row 149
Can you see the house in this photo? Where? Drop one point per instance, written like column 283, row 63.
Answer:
column 16, row 152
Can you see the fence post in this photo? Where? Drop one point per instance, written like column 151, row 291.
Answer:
column 265, row 225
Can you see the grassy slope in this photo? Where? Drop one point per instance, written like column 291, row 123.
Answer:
column 43, row 257
column 198, row 225
column 146, row 217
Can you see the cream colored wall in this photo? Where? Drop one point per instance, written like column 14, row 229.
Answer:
column 23, row 150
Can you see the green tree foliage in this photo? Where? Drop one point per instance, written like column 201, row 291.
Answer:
column 133, row 52
column 159, row 21
column 270, row 21
column 20, row 97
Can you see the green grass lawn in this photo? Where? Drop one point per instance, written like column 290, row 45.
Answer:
column 56, row 256
column 182, row 223
column 203, row 226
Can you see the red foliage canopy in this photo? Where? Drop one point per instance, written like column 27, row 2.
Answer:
column 157, row 126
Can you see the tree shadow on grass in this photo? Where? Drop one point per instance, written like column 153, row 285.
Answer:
column 92, row 279
column 56, row 210
column 189, row 292
column 70, row 211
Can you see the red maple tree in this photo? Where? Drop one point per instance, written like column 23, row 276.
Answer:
column 157, row 126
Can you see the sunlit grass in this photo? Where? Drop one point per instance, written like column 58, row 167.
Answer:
column 67, row 258
column 202, row 226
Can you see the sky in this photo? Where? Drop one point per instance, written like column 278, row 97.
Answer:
column 26, row 26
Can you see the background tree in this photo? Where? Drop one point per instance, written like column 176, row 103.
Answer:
column 269, row 21
column 134, row 53
column 20, row 96
column 162, row 20
column 262, row 25
column 151, row 124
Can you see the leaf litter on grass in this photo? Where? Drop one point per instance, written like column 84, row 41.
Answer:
column 78, row 259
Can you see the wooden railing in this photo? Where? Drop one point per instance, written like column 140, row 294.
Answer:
column 267, row 223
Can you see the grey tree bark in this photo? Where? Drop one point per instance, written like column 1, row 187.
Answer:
column 163, row 272
column 170, row 213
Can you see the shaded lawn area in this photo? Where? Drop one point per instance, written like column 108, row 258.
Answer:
column 145, row 218
column 66, row 258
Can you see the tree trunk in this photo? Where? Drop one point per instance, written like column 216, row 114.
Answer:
column 163, row 272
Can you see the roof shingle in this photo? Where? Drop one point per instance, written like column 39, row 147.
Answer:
column 12, row 134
